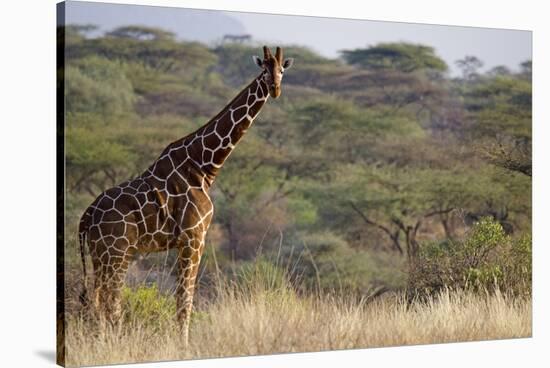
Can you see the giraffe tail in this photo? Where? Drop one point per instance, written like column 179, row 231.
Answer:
column 82, row 237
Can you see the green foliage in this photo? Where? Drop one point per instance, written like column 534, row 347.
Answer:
column 98, row 85
column 487, row 259
column 147, row 305
column 237, row 65
column 399, row 56
column 325, row 262
column 265, row 279
column 303, row 211
column 499, row 105
column 88, row 151
column 383, row 128
column 93, row 159
column 322, row 243
column 469, row 66
column 141, row 33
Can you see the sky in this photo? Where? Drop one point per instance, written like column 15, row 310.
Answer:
column 327, row 36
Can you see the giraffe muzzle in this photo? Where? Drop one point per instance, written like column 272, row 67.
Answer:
column 274, row 91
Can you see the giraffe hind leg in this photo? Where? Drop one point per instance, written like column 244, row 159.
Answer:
column 110, row 275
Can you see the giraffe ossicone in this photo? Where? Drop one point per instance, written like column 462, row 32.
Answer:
column 168, row 206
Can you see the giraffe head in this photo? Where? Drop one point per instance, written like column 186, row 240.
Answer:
column 274, row 67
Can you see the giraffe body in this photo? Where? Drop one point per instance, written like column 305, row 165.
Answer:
column 168, row 206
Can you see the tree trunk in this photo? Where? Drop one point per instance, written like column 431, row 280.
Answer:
column 447, row 227
column 233, row 240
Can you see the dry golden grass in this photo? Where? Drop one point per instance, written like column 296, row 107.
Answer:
column 260, row 322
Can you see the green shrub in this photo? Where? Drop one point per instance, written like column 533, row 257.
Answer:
column 324, row 243
column 148, row 305
column 324, row 261
column 261, row 274
column 486, row 260
column 98, row 85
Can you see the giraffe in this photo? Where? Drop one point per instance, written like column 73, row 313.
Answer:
column 168, row 205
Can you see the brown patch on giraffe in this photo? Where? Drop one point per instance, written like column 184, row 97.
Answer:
column 151, row 222
column 209, row 128
column 134, row 184
column 239, row 113
column 151, row 198
column 142, row 187
column 112, row 215
column 141, row 197
column 94, row 232
column 131, row 232
column 220, row 155
column 191, row 215
column 251, row 99
column 190, row 252
column 207, row 155
column 211, row 141
column 160, row 196
column 240, row 100
column 105, row 202
column 174, row 185
column 163, row 167
column 113, row 192
column 126, row 202
column 117, row 258
column 104, row 258
column 120, row 246
column 254, row 109
column 239, row 131
column 145, row 239
column 263, row 90
column 195, row 151
column 224, row 129
column 154, row 182
column 168, row 226
column 178, row 155
column 118, row 229
column 130, row 191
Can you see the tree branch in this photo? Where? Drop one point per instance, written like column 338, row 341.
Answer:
column 393, row 236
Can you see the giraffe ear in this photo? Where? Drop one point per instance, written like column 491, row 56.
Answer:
column 288, row 63
column 258, row 61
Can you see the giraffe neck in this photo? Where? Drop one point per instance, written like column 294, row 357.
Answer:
column 208, row 147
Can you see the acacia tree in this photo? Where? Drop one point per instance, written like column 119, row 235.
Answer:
column 141, row 33
column 469, row 66
column 398, row 77
column 400, row 201
column 499, row 112
column 404, row 57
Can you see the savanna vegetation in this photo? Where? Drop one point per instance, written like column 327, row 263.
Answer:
column 379, row 201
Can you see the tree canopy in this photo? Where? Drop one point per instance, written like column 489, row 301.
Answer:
column 403, row 57
column 363, row 160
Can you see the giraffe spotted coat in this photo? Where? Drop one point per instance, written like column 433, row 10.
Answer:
column 168, row 206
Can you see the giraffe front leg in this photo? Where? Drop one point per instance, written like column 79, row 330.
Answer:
column 107, row 296
column 188, row 265
column 107, row 302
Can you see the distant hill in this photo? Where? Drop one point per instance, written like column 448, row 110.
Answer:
column 187, row 24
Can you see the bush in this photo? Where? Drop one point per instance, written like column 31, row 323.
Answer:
column 487, row 260
column 324, row 262
column 147, row 305
column 100, row 86
column 262, row 277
